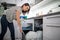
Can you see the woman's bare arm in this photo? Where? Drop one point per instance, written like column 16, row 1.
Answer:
column 18, row 19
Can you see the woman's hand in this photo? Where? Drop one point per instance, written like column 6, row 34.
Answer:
column 21, row 30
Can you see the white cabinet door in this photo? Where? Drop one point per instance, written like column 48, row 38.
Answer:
column 51, row 33
column 51, row 27
column 55, row 19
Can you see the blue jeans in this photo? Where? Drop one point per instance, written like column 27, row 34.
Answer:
column 4, row 25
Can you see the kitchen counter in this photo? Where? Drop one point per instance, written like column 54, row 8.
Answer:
column 51, row 14
column 41, row 16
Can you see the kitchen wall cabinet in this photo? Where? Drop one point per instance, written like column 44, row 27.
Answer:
column 9, row 1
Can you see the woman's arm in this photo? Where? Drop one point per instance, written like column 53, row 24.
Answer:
column 18, row 19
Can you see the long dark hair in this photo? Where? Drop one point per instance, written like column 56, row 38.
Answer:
column 26, row 4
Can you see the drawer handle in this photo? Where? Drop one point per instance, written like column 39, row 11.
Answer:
column 52, row 26
column 53, row 17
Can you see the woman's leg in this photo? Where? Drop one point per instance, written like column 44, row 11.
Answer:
column 11, row 28
column 3, row 27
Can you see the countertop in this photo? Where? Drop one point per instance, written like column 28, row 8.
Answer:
column 41, row 16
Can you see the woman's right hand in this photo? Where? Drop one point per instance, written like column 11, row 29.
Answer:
column 21, row 30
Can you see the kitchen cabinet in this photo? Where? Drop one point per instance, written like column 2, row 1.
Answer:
column 9, row 1
column 51, row 26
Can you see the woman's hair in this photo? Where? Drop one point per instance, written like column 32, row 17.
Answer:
column 27, row 4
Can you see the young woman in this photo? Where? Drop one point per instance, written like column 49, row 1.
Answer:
column 7, row 19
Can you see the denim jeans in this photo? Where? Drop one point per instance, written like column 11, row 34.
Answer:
column 4, row 25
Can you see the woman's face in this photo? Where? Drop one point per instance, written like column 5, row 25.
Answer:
column 25, row 8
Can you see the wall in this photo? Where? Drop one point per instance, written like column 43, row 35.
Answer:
column 44, row 9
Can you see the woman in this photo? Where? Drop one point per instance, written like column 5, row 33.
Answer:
column 7, row 19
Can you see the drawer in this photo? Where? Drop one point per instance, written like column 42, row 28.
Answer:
column 51, row 32
column 53, row 24
column 47, row 38
column 52, row 19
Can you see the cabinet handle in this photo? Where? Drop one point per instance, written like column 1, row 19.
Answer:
column 53, row 17
column 52, row 26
